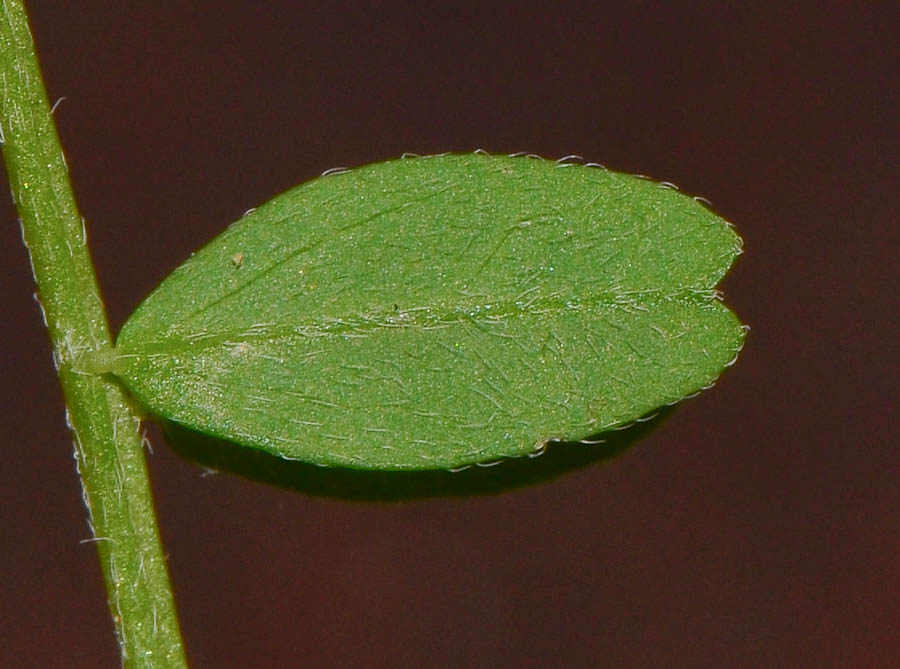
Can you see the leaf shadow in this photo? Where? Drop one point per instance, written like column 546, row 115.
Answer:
column 558, row 459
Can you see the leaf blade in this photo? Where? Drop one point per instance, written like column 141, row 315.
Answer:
column 508, row 299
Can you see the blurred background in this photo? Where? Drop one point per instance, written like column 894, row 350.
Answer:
column 758, row 526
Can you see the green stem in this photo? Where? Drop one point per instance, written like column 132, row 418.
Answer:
column 106, row 429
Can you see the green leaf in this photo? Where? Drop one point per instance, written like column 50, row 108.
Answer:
column 434, row 312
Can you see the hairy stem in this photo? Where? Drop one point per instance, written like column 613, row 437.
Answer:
column 108, row 448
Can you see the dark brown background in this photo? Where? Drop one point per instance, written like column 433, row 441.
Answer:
column 757, row 527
